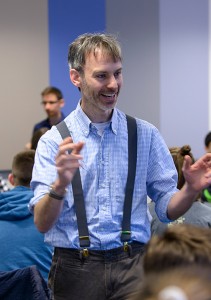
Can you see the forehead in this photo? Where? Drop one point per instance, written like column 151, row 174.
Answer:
column 50, row 96
column 101, row 59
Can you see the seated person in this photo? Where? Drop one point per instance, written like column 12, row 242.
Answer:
column 206, row 193
column 199, row 214
column 183, row 283
column 22, row 245
column 52, row 101
column 181, row 252
column 36, row 136
column 179, row 245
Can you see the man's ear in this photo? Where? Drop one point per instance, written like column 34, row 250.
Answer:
column 11, row 178
column 75, row 77
column 61, row 102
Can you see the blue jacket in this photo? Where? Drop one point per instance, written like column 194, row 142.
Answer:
column 26, row 283
column 46, row 123
column 22, row 245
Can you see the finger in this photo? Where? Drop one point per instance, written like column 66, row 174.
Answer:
column 66, row 141
column 73, row 148
column 208, row 156
column 78, row 147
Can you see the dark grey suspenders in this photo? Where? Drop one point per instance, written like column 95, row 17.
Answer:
column 132, row 158
column 78, row 192
column 78, row 197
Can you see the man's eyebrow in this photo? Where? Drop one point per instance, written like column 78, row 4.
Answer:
column 104, row 72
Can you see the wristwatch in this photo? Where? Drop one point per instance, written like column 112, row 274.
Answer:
column 54, row 195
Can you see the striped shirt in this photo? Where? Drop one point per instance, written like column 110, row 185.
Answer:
column 104, row 173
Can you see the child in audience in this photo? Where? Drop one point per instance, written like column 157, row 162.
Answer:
column 206, row 193
column 22, row 245
column 179, row 245
column 183, row 283
column 199, row 214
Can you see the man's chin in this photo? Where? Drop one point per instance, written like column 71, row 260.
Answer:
column 110, row 104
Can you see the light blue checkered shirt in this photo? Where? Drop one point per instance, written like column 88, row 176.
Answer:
column 103, row 174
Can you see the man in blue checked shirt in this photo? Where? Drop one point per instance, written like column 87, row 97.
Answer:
column 93, row 260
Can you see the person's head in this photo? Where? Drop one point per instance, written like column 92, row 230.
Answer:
column 183, row 283
column 181, row 244
column 207, row 142
column 178, row 154
column 52, row 101
column 36, row 136
column 95, row 64
column 22, row 167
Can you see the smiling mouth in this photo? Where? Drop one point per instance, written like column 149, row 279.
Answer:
column 109, row 95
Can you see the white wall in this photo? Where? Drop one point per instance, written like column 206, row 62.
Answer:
column 184, row 72
column 165, row 49
column 137, row 24
column 24, row 72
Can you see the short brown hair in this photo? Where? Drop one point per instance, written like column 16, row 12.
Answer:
column 181, row 244
column 52, row 90
column 192, row 282
column 22, row 166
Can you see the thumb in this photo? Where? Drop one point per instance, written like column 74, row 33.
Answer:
column 187, row 163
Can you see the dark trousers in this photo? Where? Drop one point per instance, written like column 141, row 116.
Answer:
column 112, row 274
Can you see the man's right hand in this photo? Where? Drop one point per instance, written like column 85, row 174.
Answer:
column 67, row 162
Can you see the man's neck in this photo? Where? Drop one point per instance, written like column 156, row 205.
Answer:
column 95, row 115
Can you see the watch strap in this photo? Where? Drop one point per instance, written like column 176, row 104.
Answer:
column 54, row 195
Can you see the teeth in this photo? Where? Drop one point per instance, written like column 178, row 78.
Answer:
column 109, row 95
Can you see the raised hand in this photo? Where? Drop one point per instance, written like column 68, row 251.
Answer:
column 197, row 175
column 68, row 160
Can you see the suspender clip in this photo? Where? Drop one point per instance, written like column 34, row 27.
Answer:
column 125, row 246
column 84, row 253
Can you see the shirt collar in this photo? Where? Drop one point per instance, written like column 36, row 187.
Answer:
column 85, row 121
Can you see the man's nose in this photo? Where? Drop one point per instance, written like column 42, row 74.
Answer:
column 47, row 105
column 112, row 83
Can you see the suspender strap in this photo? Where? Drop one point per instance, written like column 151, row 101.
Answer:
column 132, row 157
column 78, row 197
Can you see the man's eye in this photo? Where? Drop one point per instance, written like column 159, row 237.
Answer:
column 101, row 76
column 117, row 74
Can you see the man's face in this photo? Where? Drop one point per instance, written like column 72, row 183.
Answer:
column 100, row 83
column 52, row 105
